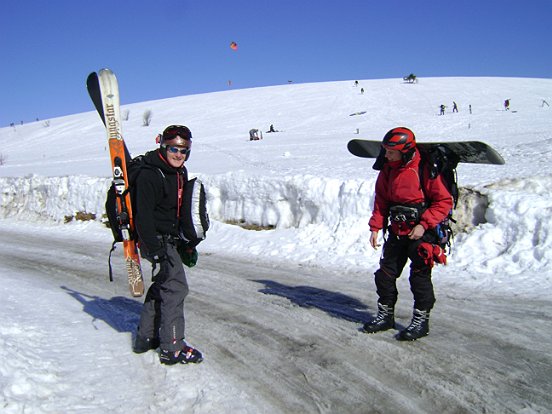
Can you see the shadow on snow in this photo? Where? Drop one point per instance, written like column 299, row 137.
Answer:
column 120, row 313
column 334, row 304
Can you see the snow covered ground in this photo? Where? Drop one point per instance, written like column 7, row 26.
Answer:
column 277, row 311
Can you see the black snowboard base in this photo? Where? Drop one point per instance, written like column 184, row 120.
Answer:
column 473, row 152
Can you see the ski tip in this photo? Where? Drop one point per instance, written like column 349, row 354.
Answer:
column 93, row 76
column 106, row 71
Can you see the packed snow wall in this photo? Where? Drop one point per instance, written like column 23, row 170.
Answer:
column 270, row 202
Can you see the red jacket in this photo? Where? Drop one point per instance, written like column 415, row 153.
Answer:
column 400, row 185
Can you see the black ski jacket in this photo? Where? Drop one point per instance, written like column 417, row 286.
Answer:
column 159, row 190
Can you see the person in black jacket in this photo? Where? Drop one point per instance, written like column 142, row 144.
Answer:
column 159, row 189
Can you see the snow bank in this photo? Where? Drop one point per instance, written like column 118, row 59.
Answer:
column 288, row 202
column 294, row 201
column 517, row 236
column 314, row 217
column 53, row 198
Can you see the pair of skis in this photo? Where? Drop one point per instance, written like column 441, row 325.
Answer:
column 103, row 89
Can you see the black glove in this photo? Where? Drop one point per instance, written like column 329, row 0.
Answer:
column 160, row 258
column 158, row 255
column 164, row 262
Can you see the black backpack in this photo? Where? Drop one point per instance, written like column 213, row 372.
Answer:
column 441, row 161
column 114, row 219
column 193, row 224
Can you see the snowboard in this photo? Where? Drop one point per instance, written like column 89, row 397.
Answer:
column 473, row 152
column 103, row 89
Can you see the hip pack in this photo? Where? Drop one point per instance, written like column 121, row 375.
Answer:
column 406, row 214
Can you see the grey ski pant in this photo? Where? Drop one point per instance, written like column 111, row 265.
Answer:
column 163, row 312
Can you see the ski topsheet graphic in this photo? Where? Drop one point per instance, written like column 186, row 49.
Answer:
column 104, row 92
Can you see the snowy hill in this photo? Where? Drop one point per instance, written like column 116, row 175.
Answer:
column 301, row 180
column 313, row 200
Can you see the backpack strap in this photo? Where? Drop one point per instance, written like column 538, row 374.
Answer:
column 161, row 173
column 113, row 246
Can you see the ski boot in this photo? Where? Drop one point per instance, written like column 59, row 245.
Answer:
column 142, row 345
column 418, row 328
column 187, row 355
column 383, row 321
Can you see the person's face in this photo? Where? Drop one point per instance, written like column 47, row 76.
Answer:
column 392, row 155
column 176, row 154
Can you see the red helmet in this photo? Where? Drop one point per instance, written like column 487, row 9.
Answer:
column 400, row 139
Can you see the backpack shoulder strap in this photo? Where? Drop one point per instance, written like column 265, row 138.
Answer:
column 160, row 174
column 422, row 166
column 113, row 246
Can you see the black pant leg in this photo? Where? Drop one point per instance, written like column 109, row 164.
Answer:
column 392, row 262
column 421, row 285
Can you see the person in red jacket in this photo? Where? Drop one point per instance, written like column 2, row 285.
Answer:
column 413, row 213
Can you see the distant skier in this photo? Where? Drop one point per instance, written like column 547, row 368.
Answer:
column 254, row 135
column 271, row 129
column 507, row 105
column 454, row 107
column 545, row 103
column 470, row 109
column 442, row 107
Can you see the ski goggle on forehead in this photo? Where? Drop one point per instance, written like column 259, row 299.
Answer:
column 173, row 131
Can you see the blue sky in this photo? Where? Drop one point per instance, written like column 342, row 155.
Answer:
column 166, row 48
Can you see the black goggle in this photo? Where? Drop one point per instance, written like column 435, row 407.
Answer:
column 182, row 150
column 173, row 131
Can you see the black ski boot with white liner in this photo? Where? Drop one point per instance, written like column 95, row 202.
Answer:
column 384, row 320
column 418, row 328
